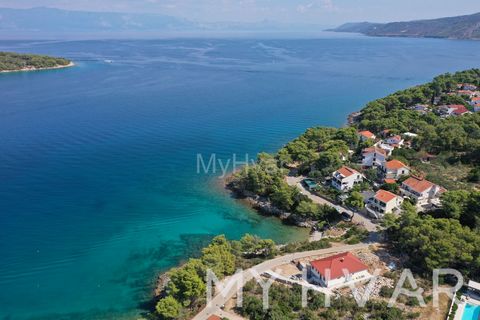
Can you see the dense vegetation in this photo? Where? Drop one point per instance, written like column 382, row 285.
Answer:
column 15, row 61
column 461, row 27
column 185, row 292
column 452, row 134
column 433, row 242
column 285, row 303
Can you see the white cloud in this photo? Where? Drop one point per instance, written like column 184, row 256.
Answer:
column 324, row 5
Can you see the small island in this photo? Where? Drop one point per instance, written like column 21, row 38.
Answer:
column 14, row 62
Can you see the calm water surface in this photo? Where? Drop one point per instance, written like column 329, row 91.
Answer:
column 98, row 182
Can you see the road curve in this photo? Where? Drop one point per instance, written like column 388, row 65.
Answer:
column 245, row 276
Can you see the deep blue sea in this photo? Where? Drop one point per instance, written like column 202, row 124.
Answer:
column 99, row 188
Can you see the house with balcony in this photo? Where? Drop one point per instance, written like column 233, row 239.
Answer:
column 346, row 178
column 422, row 191
column 374, row 157
column 393, row 170
column 383, row 202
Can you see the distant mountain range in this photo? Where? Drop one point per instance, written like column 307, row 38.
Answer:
column 49, row 22
column 461, row 27
column 56, row 20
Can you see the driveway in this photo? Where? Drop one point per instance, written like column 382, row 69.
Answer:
column 358, row 218
column 226, row 294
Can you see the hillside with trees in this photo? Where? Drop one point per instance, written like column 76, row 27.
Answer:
column 10, row 61
column 446, row 236
column 460, row 27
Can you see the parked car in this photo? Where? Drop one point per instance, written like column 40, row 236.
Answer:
column 346, row 216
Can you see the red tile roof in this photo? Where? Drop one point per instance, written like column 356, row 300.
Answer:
column 395, row 165
column 476, row 99
column 384, row 196
column 367, row 134
column 346, row 171
column 459, row 109
column 337, row 263
column 214, row 317
column 418, row 185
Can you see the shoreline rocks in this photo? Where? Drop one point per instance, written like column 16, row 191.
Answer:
column 264, row 206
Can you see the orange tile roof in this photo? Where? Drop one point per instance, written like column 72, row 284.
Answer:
column 374, row 149
column 390, row 181
column 346, row 171
column 337, row 263
column 367, row 134
column 214, row 317
column 395, row 165
column 418, row 185
column 384, row 196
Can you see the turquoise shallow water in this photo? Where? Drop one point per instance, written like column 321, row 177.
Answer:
column 98, row 182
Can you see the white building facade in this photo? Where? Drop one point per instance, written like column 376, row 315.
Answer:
column 346, row 178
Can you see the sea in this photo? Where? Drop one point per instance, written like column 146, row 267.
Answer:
column 110, row 171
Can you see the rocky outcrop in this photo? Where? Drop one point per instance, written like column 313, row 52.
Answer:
column 265, row 206
column 162, row 282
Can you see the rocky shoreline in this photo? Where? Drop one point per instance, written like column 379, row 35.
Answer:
column 264, row 206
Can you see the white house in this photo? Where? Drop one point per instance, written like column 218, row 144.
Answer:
column 422, row 191
column 374, row 156
column 338, row 270
column 475, row 102
column 394, row 169
column 467, row 86
column 383, row 202
column 345, row 178
column 410, row 135
column 366, row 135
column 421, row 108
column 385, row 147
column 394, row 141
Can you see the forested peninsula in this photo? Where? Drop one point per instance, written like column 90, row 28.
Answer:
column 12, row 62
column 461, row 27
column 415, row 160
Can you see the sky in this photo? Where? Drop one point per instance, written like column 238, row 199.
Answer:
column 320, row 12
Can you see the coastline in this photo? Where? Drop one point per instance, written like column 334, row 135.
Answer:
column 265, row 207
column 27, row 69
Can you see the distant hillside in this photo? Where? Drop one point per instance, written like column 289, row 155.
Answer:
column 461, row 27
column 50, row 22
column 56, row 20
